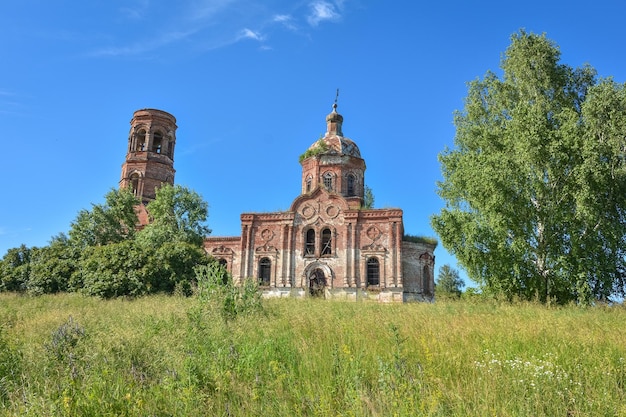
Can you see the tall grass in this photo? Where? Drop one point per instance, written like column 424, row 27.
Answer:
column 66, row 355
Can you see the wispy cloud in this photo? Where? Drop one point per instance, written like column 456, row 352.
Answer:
column 286, row 21
column 207, row 9
column 11, row 103
column 145, row 46
column 204, row 24
column 250, row 34
column 136, row 11
column 322, row 11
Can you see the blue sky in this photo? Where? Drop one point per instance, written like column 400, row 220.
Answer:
column 250, row 83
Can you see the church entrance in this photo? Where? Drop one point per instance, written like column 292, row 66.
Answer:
column 317, row 283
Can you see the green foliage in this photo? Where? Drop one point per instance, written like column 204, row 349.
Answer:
column 111, row 222
column 178, row 214
column 172, row 266
column 114, row 270
column 216, row 289
column 535, row 188
column 15, row 269
column 64, row 340
column 52, row 266
column 10, row 367
column 152, row 357
column 449, row 282
column 106, row 257
column 421, row 239
column 320, row 147
column 128, row 269
column 368, row 198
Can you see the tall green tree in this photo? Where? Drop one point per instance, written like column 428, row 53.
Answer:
column 368, row 198
column 15, row 269
column 178, row 214
column 111, row 222
column 449, row 282
column 52, row 266
column 535, row 187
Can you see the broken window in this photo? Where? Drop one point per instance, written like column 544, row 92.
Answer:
column 373, row 272
column 350, row 187
column 170, row 149
column 265, row 271
column 328, row 181
column 327, row 241
column 156, row 142
column 309, row 181
column 309, row 247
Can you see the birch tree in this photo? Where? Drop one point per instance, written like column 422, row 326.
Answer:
column 534, row 187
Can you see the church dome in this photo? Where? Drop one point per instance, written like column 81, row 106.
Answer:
column 333, row 141
column 335, row 145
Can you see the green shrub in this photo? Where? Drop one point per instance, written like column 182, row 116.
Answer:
column 318, row 148
column 64, row 339
column 217, row 289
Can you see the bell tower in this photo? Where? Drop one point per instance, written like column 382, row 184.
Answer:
column 150, row 154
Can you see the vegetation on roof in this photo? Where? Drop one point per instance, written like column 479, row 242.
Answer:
column 421, row 239
column 318, row 148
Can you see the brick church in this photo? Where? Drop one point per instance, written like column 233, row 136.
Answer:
column 327, row 244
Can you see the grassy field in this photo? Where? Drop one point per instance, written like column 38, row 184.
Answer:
column 68, row 355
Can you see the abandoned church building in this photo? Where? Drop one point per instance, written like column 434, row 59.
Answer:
column 325, row 245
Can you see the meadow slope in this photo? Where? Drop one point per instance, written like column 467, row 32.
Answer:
column 69, row 355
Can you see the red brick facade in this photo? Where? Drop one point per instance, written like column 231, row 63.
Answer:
column 150, row 154
column 327, row 244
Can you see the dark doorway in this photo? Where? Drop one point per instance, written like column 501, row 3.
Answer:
column 317, row 283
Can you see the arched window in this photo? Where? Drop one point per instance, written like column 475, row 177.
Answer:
column 327, row 242
column 373, row 272
column 309, row 181
column 170, row 149
column 350, row 187
column 224, row 264
column 134, row 183
column 426, row 281
column 309, row 246
column 265, row 271
column 157, row 141
column 328, row 181
column 140, row 141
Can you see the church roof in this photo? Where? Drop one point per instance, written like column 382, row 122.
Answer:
column 333, row 141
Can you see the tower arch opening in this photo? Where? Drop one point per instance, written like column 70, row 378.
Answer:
column 157, row 142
